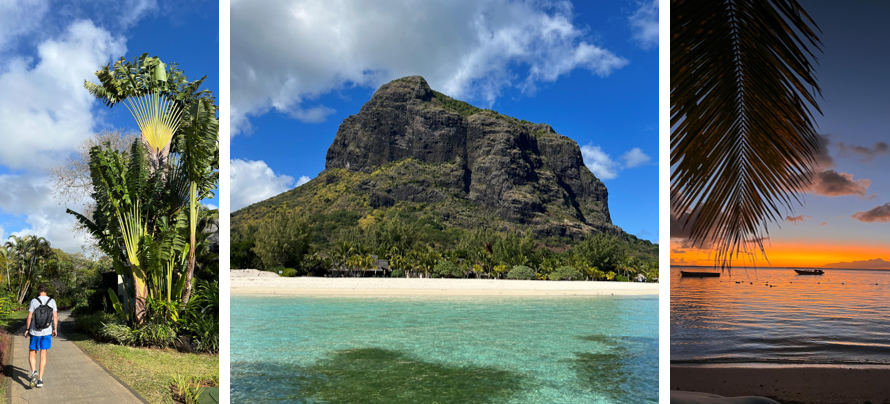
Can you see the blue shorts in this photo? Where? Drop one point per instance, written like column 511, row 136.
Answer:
column 41, row 342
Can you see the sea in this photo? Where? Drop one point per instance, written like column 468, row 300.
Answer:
column 444, row 349
column 775, row 316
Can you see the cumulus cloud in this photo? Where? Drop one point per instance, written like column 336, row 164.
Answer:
column 644, row 24
column 254, row 181
column 599, row 162
column 302, row 180
column 20, row 17
column 879, row 213
column 468, row 49
column 797, row 219
column 44, row 110
column 604, row 167
column 635, row 157
column 31, row 196
column 832, row 183
column 867, row 153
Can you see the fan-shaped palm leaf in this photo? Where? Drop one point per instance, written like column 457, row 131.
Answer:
column 743, row 142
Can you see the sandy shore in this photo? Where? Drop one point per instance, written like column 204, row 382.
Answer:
column 255, row 282
column 811, row 385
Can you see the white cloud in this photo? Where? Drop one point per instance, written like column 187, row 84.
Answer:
column 313, row 115
column 211, row 206
column 19, row 17
column 602, row 165
column 44, row 110
column 302, row 180
column 599, row 162
column 254, row 181
column 644, row 24
column 469, row 49
column 635, row 157
column 31, row 196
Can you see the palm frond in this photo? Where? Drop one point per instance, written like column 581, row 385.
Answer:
column 743, row 142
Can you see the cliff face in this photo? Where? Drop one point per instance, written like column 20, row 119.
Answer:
column 413, row 152
column 517, row 171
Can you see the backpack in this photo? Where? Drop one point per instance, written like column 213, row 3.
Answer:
column 43, row 315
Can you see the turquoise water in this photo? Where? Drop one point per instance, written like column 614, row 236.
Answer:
column 444, row 350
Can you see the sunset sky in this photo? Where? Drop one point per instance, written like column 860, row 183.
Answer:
column 846, row 216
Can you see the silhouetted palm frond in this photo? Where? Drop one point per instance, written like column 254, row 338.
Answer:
column 743, row 142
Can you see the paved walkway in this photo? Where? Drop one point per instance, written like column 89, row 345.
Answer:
column 71, row 376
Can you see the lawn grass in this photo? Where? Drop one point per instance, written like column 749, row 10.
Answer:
column 148, row 371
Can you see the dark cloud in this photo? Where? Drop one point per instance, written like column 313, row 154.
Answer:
column 797, row 219
column 868, row 153
column 824, row 159
column 832, row 183
column 878, row 214
column 677, row 251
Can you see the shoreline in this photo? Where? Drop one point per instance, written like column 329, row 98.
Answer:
column 817, row 384
column 245, row 283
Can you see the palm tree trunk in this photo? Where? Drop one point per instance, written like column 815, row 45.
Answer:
column 193, row 218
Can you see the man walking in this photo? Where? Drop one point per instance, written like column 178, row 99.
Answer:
column 42, row 324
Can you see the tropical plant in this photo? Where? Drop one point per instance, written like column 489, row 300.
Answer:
column 28, row 256
column 283, row 240
column 743, row 140
column 565, row 273
column 140, row 219
column 521, row 272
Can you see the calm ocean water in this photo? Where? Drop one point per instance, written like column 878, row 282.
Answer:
column 444, row 350
column 842, row 317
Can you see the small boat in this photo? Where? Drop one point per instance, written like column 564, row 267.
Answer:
column 700, row 274
column 809, row 271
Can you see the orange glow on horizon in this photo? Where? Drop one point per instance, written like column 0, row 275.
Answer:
column 787, row 254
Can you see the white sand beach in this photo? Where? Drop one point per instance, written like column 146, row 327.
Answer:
column 259, row 282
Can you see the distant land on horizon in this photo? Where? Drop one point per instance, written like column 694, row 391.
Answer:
column 771, row 267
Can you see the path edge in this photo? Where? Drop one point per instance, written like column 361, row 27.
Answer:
column 7, row 370
column 127, row 386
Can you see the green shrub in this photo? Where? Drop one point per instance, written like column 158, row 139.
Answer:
column 447, row 269
column 521, row 272
column 92, row 324
column 201, row 318
column 621, row 278
column 397, row 273
column 289, row 272
column 117, row 333
column 157, row 335
column 205, row 334
column 565, row 273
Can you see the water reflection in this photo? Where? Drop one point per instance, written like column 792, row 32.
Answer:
column 775, row 315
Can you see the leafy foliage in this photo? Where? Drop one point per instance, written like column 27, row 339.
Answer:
column 521, row 272
column 566, row 273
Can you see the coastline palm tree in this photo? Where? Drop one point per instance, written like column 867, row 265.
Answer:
column 743, row 141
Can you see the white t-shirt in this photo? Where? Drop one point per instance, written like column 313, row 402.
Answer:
column 34, row 305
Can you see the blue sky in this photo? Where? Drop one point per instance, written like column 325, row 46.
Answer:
column 846, row 215
column 47, row 49
column 588, row 69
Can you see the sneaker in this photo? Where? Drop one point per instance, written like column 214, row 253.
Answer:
column 33, row 379
column 40, row 383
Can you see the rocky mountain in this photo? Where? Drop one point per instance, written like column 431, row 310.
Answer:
column 412, row 152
